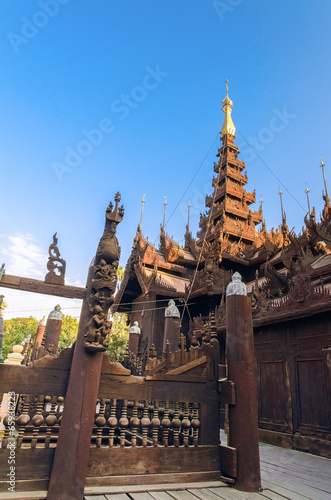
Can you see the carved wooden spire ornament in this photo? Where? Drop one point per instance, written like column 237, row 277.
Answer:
column 326, row 196
column 55, row 265
column 307, row 193
column 104, row 281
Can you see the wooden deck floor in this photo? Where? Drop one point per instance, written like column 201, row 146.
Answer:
column 286, row 474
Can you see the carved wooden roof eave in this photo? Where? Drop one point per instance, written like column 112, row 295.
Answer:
column 173, row 252
column 281, row 315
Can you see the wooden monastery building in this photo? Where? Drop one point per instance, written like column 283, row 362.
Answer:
column 288, row 278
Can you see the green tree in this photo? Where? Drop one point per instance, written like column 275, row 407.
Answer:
column 16, row 330
column 69, row 331
column 118, row 337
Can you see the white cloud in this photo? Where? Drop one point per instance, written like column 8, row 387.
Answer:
column 23, row 257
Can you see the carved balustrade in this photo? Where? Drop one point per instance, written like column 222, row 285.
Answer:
column 37, row 422
column 132, row 423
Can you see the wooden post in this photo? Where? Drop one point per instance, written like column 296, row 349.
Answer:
column 243, row 416
column 39, row 337
column 73, row 447
column 53, row 329
column 134, row 337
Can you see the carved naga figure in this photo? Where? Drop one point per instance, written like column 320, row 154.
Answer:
column 104, row 281
column 56, row 265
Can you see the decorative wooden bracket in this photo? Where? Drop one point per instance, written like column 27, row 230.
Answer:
column 227, row 391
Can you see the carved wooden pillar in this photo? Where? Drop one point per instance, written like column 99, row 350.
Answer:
column 171, row 326
column 73, row 447
column 39, row 337
column 53, row 329
column 134, row 336
column 243, row 416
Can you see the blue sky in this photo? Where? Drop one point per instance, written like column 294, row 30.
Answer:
column 102, row 96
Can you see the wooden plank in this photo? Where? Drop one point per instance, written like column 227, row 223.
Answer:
column 141, row 496
column 192, row 379
column 125, row 387
column 182, row 495
column 227, row 493
column 31, row 465
column 281, row 490
column 117, row 496
column 266, row 493
column 27, row 495
column 95, row 497
column 229, row 462
column 295, row 485
column 150, row 460
column 305, row 476
column 31, row 380
column 204, row 494
column 160, row 495
column 188, row 366
column 157, row 482
column 38, row 286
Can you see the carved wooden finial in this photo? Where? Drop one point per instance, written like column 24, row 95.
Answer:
column 142, row 210
column 56, row 265
column 326, row 197
column 188, row 216
column 307, row 193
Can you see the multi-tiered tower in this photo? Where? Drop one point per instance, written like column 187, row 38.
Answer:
column 229, row 222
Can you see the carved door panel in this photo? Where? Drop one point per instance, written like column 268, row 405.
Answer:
column 274, row 395
column 312, row 405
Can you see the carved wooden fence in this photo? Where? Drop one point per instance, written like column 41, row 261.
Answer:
column 162, row 428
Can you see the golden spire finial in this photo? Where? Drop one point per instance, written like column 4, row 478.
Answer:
column 164, row 212
column 307, row 193
column 188, row 216
column 227, row 105
column 281, row 202
column 142, row 210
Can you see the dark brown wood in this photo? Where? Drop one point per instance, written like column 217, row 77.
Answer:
column 32, row 468
column 229, row 461
column 37, row 286
column 150, row 460
column 38, row 339
column 52, row 334
column 243, row 416
column 227, row 391
column 23, row 379
column 149, row 479
column 137, row 387
column 72, row 451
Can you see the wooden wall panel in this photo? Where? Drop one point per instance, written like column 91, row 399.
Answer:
column 313, row 405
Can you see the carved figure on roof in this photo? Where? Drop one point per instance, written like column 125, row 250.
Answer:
column 56, row 265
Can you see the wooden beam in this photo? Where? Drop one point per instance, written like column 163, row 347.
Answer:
column 38, row 286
